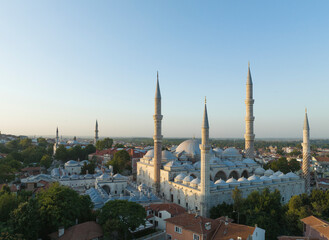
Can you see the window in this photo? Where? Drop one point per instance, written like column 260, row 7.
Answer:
column 156, row 223
column 178, row 201
column 186, row 205
column 178, row 229
column 196, row 237
column 168, row 237
column 160, row 215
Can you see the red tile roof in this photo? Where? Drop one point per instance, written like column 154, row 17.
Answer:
column 194, row 223
column 295, row 238
column 173, row 208
column 232, row 231
column 322, row 159
column 84, row 231
column 317, row 224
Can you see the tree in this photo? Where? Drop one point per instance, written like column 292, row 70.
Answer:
column 104, row 144
column 61, row 153
column 283, row 165
column 42, row 142
column 6, row 173
column 88, row 167
column 60, row 206
column 25, row 143
column 8, row 203
column 26, row 219
column 120, row 161
column 45, row 161
column 118, row 217
column 89, row 149
column 294, row 165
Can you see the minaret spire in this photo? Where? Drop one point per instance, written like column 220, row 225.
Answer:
column 306, row 154
column 96, row 133
column 157, row 138
column 56, row 142
column 249, row 135
column 205, row 168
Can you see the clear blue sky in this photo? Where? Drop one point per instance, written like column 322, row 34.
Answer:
column 66, row 63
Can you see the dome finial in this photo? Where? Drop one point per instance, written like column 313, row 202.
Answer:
column 205, row 100
column 248, row 64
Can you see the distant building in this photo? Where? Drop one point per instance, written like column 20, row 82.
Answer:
column 191, row 226
column 158, row 213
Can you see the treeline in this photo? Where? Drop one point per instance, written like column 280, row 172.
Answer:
column 22, row 153
column 23, row 217
column 266, row 210
column 74, row 153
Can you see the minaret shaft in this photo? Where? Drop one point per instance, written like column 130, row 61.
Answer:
column 96, row 133
column 205, row 168
column 306, row 154
column 157, row 138
column 249, row 134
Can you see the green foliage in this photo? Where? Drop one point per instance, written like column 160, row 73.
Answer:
column 120, row 161
column 42, row 142
column 25, row 143
column 45, row 161
column 283, row 165
column 261, row 208
column 119, row 216
column 74, row 153
column 8, row 202
column 33, row 154
column 26, row 219
column 7, row 173
column 61, row 206
column 119, row 145
column 104, row 144
column 88, row 167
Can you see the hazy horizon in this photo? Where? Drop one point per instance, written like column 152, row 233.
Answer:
column 67, row 64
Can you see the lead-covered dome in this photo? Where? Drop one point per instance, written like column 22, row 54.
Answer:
column 149, row 154
column 167, row 156
column 190, row 147
column 231, row 153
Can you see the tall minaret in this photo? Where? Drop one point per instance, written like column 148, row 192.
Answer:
column 306, row 154
column 157, row 138
column 205, row 168
column 249, row 135
column 56, row 142
column 96, row 133
column 57, row 137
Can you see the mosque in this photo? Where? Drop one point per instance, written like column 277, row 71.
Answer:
column 198, row 177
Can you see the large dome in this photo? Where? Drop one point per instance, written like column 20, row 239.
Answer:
column 191, row 147
column 231, row 153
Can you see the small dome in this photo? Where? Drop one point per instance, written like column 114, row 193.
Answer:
column 231, row 152
column 275, row 178
column 104, row 176
column 197, row 165
column 231, row 180
column 119, row 176
column 71, row 163
column 65, row 177
column 243, row 179
column 74, row 177
column 172, row 164
column 191, row 147
column 88, row 176
column 220, row 181
column 277, row 173
column 259, row 171
column 180, row 177
column 167, row 156
column 188, row 178
column 195, row 181
column 292, row 175
column 266, row 179
column 284, row 177
column 268, row 172
column 249, row 161
column 218, row 152
column 188, row 166
column 254, row 178
column 149, row 154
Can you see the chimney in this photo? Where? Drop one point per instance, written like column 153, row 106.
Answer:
column 226, row 220
column 256, row 225
column 60, row 231
column 87, row 171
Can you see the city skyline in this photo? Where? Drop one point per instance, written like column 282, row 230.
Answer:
column 68, row 66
